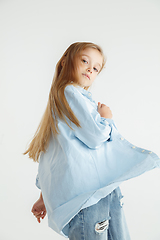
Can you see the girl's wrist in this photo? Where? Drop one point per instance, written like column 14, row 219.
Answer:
column 41, row 196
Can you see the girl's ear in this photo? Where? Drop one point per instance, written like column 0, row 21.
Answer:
column 62, row 62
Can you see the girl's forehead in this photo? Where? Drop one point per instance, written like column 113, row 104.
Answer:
column 91, row 53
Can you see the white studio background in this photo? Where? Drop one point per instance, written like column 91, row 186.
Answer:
column 33, row 36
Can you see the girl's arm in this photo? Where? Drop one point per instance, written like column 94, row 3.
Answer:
column 95, row 129
column 39, row 209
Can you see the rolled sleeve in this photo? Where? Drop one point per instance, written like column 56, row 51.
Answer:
column 94, row 129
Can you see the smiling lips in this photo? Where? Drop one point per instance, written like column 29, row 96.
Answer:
column 86, row 75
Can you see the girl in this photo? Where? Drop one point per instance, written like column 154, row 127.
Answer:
column 82, row 157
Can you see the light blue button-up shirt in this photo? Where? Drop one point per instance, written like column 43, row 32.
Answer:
column 85, row 164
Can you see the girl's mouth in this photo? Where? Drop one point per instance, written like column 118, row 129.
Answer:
column 86, row 75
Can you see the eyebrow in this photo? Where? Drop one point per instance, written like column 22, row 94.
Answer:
column 89, row 57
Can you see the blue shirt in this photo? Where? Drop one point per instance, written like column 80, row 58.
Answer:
column 83, row 165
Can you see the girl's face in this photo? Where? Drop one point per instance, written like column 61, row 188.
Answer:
column 89, row 63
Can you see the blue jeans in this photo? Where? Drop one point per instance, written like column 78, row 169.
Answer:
column 102, row 221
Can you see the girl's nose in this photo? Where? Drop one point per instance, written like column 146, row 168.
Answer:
column 89, row 70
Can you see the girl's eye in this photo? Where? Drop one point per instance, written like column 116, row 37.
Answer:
column 84, row 60
column 95, row 69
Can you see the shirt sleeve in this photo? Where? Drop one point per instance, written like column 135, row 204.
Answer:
column 94, row 129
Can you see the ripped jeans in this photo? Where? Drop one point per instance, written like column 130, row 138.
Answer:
column 102, row 221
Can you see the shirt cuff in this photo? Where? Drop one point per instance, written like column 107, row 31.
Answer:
column 37, row 182
column 110, row 122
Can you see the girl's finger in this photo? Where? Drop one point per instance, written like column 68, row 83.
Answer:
column 40, row 214
column 37, row 214
column 99, row 104
column 44, row 214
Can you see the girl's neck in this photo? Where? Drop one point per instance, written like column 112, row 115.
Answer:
column 77, row 85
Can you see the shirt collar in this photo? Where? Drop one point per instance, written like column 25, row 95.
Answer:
column 84, row 92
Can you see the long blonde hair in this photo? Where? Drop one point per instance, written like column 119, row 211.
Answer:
column 57, row 105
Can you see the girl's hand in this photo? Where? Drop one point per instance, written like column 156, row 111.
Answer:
column 39, row 209
column 104, row 111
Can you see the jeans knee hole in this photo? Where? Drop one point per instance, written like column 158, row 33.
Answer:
column 121, row 202
column 102, row 226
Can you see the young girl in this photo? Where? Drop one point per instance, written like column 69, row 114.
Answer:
column 82, row 157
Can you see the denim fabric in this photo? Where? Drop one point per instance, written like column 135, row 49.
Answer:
column 102, row 221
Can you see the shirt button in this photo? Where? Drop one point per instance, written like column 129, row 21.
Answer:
column 150, row 152
column 122, row 138
column 106, row 121
column 143, row 150
column 133, row 147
